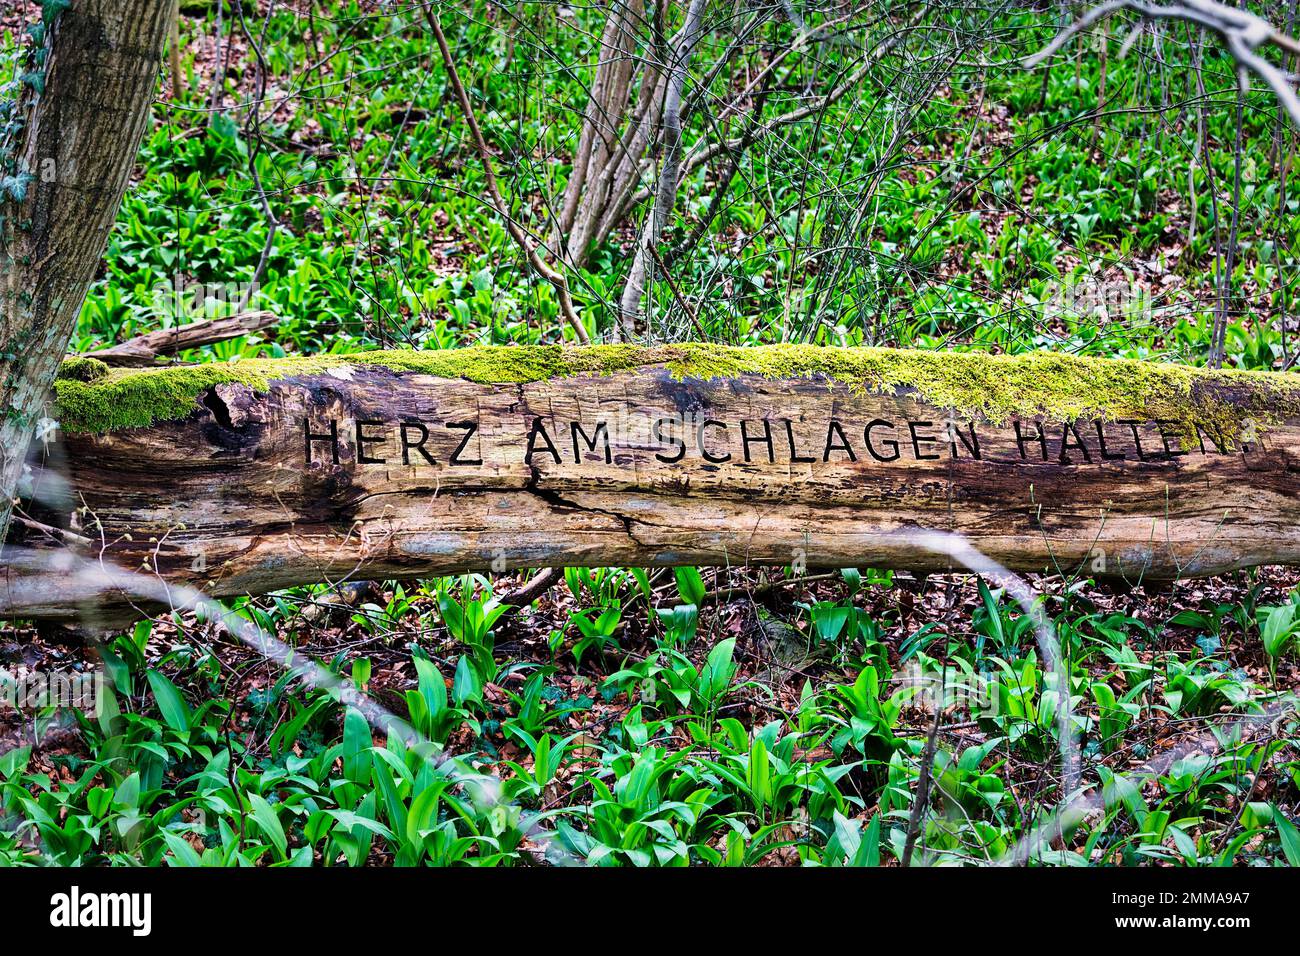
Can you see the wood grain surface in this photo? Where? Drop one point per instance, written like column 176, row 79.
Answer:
column 373, row 473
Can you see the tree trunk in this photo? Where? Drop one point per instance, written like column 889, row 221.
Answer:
column 616, row 135
column 606, row 107
column 269, row 473
column 77, row 149
column 669, row 171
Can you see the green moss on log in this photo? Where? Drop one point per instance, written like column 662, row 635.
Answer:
column 83, row 369
column 971, row 385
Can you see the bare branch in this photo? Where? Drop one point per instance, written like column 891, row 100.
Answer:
column 1243, row 34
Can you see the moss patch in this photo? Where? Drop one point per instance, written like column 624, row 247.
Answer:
column 974, row 385
column 1051, row 384
column 83, row 369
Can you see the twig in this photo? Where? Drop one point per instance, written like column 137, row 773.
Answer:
column 923, row 785
column 670, row 172
column 1250, row 795
column 218, row 72
column 694, row 159
column 1218, row 340
column 681, row 300
column 69, row 537
column 525, row 595
column 174, row 53
column 253, row 130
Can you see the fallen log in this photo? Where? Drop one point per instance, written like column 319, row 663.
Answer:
column 248, row 477
column 145, row 350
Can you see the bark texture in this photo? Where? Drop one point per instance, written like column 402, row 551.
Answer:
column 393, row 466
column 79, row 143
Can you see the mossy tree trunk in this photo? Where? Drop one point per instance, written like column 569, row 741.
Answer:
column 269, row 473
column 72, row 142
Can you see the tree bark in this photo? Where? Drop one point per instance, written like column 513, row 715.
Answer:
column 270, row 473
column 78, row 147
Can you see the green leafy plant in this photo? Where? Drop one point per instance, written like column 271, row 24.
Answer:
column 431, row 712
column 598, row 632
column 994, row 621
column 1114, row 715
column 469, row 618
column 1278, row 630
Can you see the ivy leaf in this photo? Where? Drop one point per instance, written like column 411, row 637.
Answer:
column 1209, row 644
column 50, row 9
column 15, row 186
